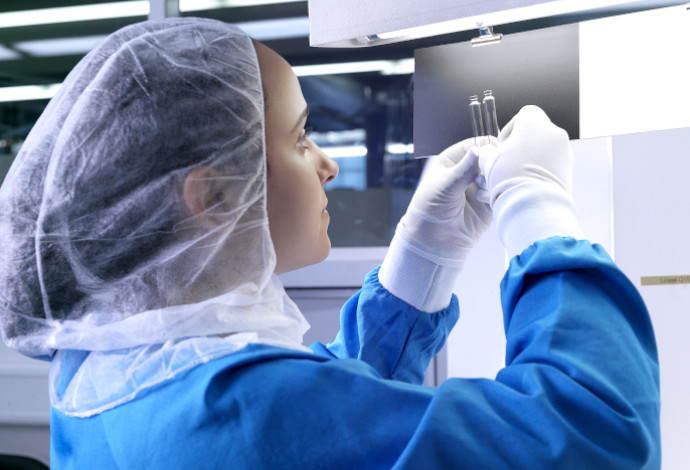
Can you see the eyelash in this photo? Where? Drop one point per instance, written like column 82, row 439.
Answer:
column 302, row 142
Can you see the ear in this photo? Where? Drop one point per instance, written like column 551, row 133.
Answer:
column 200, row 190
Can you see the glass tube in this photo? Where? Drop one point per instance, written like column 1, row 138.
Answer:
column 490, row 116
column 476, row 116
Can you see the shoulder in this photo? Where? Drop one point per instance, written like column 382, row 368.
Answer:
column 264, row 400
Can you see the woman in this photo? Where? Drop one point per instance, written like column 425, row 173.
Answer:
column 170, row 179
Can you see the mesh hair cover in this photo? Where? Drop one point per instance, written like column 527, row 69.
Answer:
column 98, row 249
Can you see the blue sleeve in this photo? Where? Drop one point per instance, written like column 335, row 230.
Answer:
column 581, row 384
column 390, row 335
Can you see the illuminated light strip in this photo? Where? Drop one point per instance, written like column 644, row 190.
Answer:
column 345, row 151
column 356, row 151
column 15, row 19
column 59, row 46
column 101, row 11
column 542, row 10
column 8, row 54
column 259, row 30
column 385, row 67
column 199, row 5
column 400, row 149
column 284, row 28
column 28, row 92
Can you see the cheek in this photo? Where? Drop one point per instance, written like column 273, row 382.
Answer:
column 295, row 200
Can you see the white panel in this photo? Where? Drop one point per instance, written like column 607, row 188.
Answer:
column 651, row 236
column 335, row 21
column 476, row 347
column 344, row 267
column 339, row 23
column 24, row 405
column 592, row 190
column 321, row 308
column 634, row 72
column 23, row 389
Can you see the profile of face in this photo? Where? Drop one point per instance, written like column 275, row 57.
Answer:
column 297, row 170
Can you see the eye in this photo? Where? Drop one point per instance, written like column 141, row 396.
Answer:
column 302, row 142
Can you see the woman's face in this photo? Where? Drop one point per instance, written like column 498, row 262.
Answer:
column 297, row 170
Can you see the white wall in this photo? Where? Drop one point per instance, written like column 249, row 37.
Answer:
column 24, row 406
column 634, row 72
column 652, row 222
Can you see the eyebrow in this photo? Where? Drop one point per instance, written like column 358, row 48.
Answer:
column 301, row 118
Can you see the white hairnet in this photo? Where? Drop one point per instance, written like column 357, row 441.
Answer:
column 99, row 251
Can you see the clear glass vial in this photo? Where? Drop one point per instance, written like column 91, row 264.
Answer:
column 490, row 116
column 476, row 117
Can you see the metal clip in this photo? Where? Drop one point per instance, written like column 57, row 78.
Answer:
column 486, row 36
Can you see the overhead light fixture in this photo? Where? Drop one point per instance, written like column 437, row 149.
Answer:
column 283, row 28
column 59, row 46
column 15, row 19
column 125, row 9
column 397, row 148
column 8, row 54
column 358, row 23
column 199, row 5
column 28, row 92
column 346, row 151
column 260, row 30
column 384, row 67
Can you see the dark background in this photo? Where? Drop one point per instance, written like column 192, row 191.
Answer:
column 538, row 67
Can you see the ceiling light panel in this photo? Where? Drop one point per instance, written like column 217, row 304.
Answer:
column 200, row 5
column 100, row 11
column 59, row 46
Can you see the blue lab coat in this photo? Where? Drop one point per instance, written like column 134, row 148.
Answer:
column 580, row 389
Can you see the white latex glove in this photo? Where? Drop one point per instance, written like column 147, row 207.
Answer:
column 529, row 179
column 443, row 222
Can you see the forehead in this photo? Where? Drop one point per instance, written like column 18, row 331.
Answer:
column 279, row 82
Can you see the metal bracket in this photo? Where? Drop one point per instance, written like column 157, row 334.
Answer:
column 486, row 36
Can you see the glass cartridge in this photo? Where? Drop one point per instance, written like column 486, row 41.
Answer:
column 490, row 116
column 476, row 117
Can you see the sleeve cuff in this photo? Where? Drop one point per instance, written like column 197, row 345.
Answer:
column 528, row 213
column 420, row 282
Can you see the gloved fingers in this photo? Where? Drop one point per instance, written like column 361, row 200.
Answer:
column 487, row 140
column 453, row 154
column 478, row 201
column 487, row 158
column 527, row 117
column 527, row 114
column 453, row 177
column 483, row 196
column 480, row 181
column 466, row 170
column 482, row 193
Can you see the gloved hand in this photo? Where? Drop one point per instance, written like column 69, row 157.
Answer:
column 444, row 219
column 443, row 222
column 529, row 179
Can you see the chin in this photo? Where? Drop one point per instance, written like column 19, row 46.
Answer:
column 316, row 257
column 321, row 254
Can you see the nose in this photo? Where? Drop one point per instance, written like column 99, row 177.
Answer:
column 328, row 168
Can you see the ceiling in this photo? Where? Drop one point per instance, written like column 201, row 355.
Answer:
column 32, row 69
column 27, row 68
